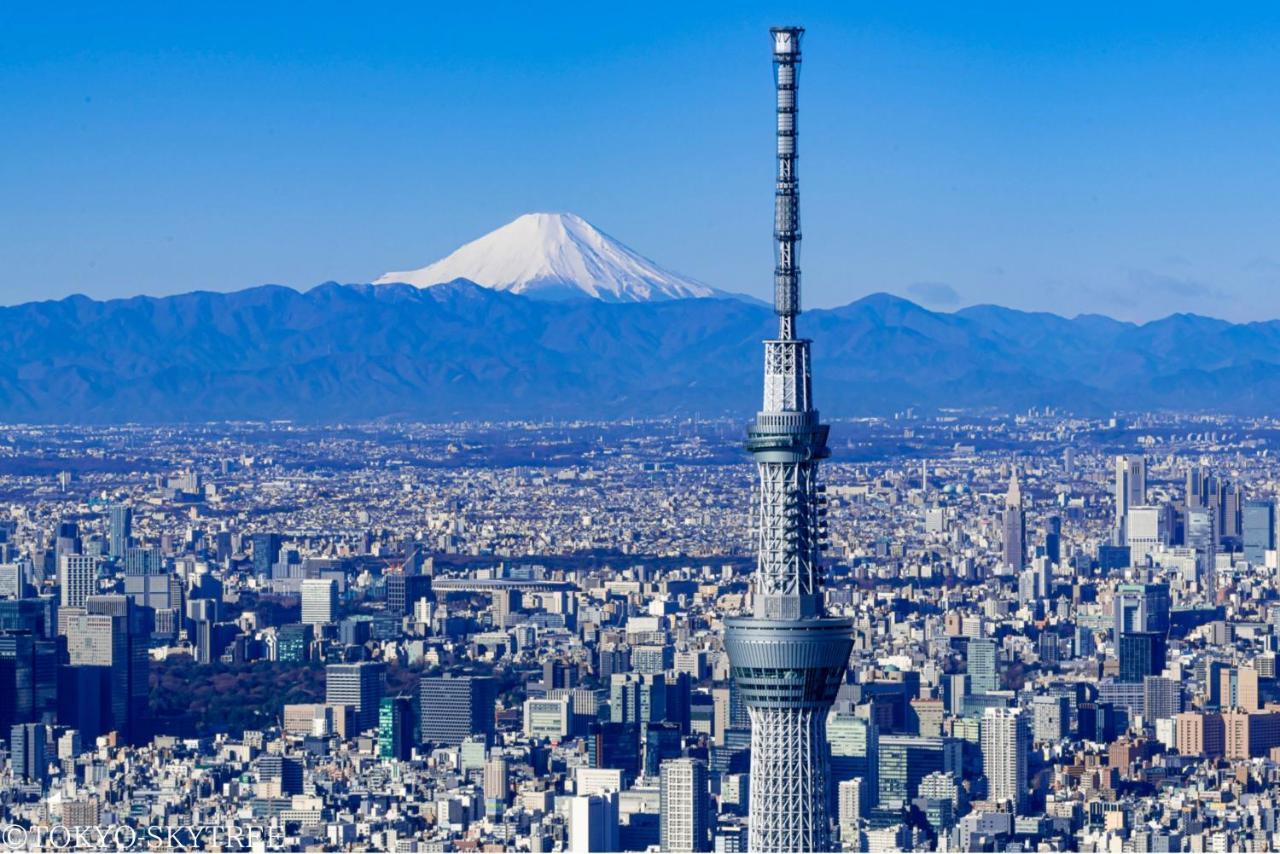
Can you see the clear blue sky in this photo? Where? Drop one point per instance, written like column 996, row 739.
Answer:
column 1115, row 158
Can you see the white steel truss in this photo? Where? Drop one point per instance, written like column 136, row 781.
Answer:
column 788, row 794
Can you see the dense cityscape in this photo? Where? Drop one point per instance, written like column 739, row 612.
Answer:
column 510, row 636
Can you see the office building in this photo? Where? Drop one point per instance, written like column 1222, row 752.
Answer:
column 593, row 823
column 359, row 686
column 1130, row 489
column 1258, row 530
column 1238, row 688
column 143, row 561
column 395, row 728
column 1162, row 697
column 113, row 634
column 120, row 530
column 455, row 707
column 1148, row 528
column 855, row 752
column 266, row 548
column 984, row 676
column 319, row 601
column 905, row 760
column 77, row 579
column 685, row 806
column 405, row 591
column 1142, row 654
column 549, row 719
column 28, row 752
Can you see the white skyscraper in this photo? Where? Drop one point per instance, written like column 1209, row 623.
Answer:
column 1004, row 755
column 1131, row 487
column 593, row 823
column 319, row 601
column 685, row 806
column 849, row 808
column 78, row 579
column 1147, row 528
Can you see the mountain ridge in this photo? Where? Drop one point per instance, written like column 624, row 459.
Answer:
column 357, row 352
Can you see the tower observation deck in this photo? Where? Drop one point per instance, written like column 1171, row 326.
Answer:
column 787, row 657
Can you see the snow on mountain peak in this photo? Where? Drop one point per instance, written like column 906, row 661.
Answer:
column 555, row 256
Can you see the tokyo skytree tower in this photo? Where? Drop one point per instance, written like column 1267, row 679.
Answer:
column 787, row 657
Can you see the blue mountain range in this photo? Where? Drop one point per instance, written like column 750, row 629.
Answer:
column 458, row 350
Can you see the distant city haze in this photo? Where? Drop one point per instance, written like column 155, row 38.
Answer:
column 1078, row 159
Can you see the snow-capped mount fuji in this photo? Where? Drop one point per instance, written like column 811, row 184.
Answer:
column 556, row 256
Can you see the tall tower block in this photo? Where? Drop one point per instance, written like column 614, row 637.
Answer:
column 787, row 657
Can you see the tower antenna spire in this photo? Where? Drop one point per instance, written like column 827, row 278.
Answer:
column 786, row 212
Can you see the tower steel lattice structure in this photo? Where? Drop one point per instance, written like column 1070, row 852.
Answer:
column 787, row 657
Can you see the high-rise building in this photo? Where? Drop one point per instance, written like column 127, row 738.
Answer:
column 685, row 806
column 1142, row 654
column 143, row 560
column 120, row 530
column 1131, row 488
column 77, row 579
column 1238, row 688
column 788, row 657
column 293, row 643
column 1200, row 532
column 113, row 634
column 279, row 776
column 266, row 548
column 1197, row 487
column 28, row 750
column 455, row 707
column 1161, row 697
column 1004, row 737
column 404, row 591
column 497, row 786
column 1050, row 717
column 1258, row 524
column 593, row 823
column 1147, row 528
column 319, row 601
column 1015, row 527
column 905, row 760
column 1141, row 608
column 360, row 686
column 637, row 698
column 855, row 752
column 850, row 807
column 395, row 728
column 984, row 675
column 28, row 676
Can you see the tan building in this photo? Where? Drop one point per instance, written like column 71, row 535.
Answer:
column 1238, row 688
column 1250, row 734
column 1199, row 734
